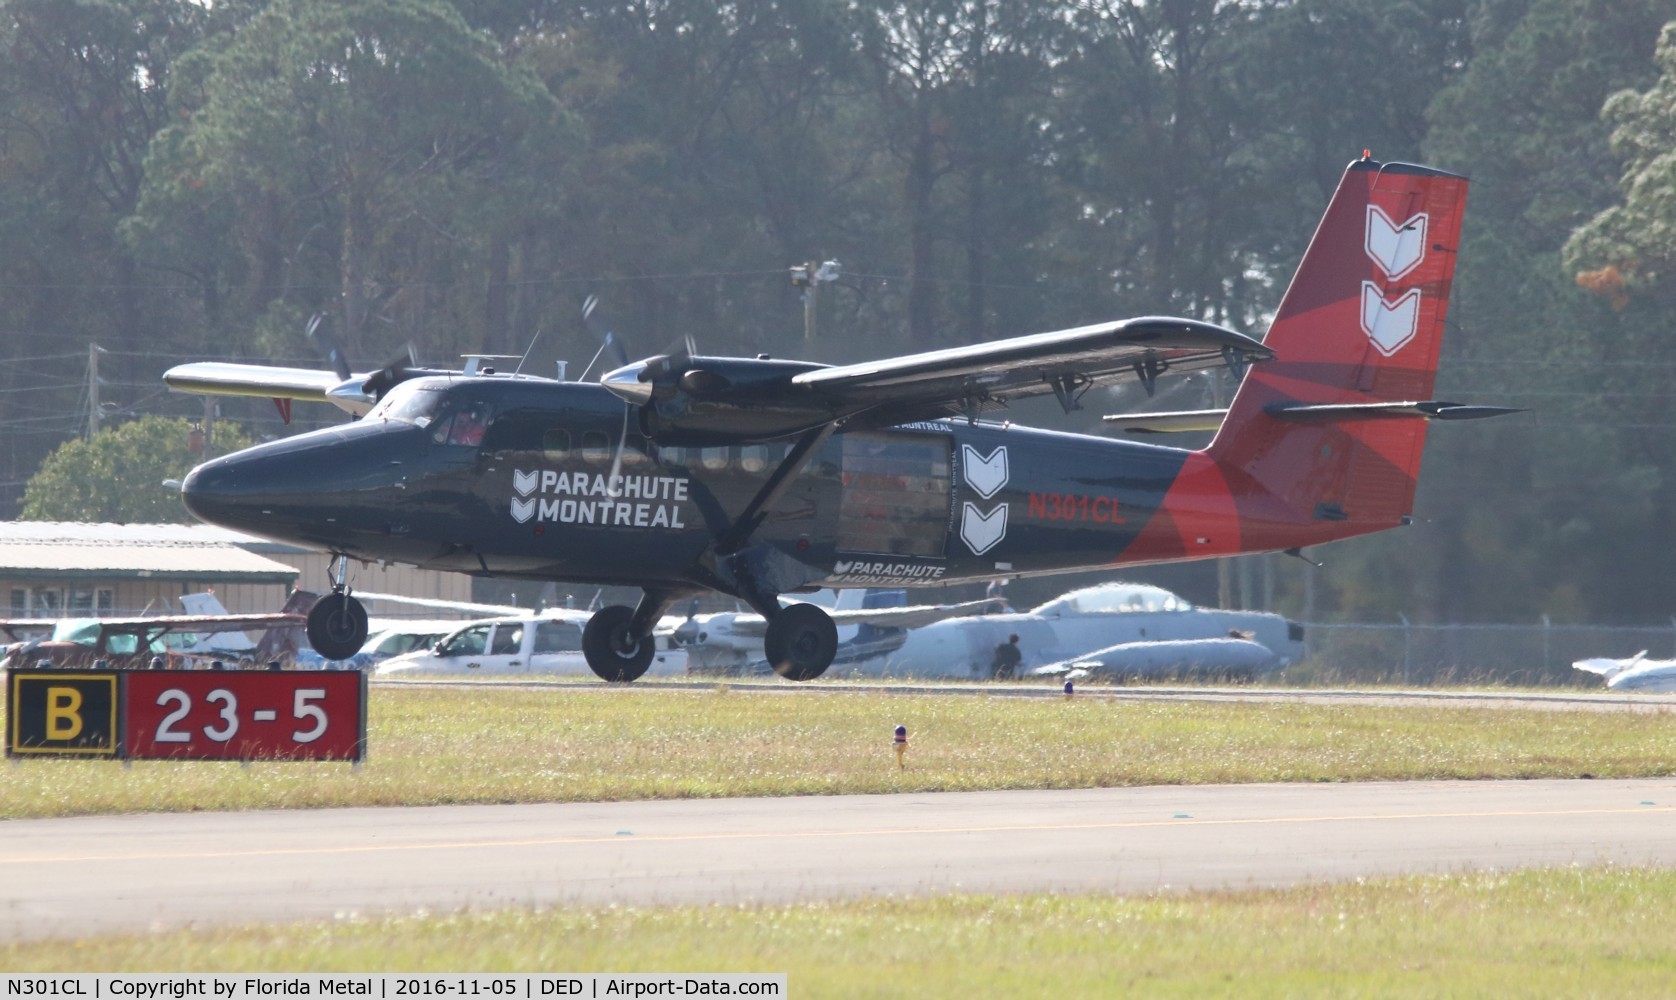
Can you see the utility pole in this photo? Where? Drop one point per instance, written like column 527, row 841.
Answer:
column 809, row 277
column 93, row 411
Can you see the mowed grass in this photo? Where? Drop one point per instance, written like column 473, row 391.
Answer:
column 1564, row 932
column 434, row 745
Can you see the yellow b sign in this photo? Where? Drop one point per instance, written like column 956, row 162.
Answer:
column 64, row 720
column 61, row 712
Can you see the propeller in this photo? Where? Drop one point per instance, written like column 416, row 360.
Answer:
column 334, row 353
column 395, row 370
column 595, row 321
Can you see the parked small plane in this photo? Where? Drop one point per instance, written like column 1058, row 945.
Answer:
column 1230, row 658
column 871, row 623
column 135, row 642
column 1084, row 624
column 757, row 477
column 1634, row 673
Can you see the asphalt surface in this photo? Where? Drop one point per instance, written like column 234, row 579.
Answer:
column 90, row 876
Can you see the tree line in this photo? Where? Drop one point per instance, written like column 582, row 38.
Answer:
column 184, row 181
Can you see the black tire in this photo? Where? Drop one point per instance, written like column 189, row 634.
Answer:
column 337, row 626
column 614, row 653
column 801, row 642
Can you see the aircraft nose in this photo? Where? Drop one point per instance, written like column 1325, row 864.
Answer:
column 213, row 491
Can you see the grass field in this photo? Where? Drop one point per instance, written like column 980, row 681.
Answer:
column 478, row 745
column 1568, row 932
column 1586, row 932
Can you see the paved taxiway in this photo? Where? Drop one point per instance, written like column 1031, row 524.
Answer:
column 95, row 875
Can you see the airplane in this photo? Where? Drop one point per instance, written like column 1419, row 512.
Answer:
column 138, row 642
column 1634, row 673
column 1231, row 657
column 1080, row 629
column 871, row 623
column 757, row 477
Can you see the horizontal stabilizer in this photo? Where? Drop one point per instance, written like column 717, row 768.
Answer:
column 1176, row 422
column 1429, row 409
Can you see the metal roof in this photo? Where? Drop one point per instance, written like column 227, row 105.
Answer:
column 70, row 550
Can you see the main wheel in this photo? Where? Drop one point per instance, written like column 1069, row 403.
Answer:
column 613, row 652
column 337, row 626
column 801, row 642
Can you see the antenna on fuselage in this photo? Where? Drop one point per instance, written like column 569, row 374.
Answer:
column 527, row 351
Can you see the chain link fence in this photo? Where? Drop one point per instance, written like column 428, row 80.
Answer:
column 1540, row 653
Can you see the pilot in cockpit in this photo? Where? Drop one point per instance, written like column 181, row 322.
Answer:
column 468, row 427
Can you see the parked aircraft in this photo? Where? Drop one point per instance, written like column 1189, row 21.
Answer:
column 1081, row 625
column 1229, row 658
column 871, row 623
column 135, row 642
column 1634, row 673
column 757, row 477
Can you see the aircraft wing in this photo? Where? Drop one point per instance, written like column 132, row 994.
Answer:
column 160, row 624
column 1066, row 362
column 217, row 378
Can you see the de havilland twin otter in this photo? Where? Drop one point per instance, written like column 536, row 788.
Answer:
column 758, row 477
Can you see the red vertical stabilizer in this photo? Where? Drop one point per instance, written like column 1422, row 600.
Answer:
column 1309, row 451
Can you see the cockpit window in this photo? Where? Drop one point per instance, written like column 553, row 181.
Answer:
column 462, row 424
column 411, row 403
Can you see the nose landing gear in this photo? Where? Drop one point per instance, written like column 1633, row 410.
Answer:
column 337, row 624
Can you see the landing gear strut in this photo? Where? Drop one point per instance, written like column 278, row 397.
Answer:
column 800, row 642
column 337, row 624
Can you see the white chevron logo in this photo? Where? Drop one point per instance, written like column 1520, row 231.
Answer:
column 525, row 482
column 982, row 531
column 523, row 510
column 1389, row 325
column 986, row 475
column 1396, row 249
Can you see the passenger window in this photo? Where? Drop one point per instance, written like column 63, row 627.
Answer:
column 596, row 447
column 634, row 451
column 675, row 457
column 714, row 459
column 753, row 457
column 555, row 444
column 557, row 637
column 508, row 641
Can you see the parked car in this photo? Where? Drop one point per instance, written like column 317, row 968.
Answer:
column 549, row 644
column 384, row 643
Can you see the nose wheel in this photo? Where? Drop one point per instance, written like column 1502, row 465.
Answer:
column 800, row 642
column 337, row 626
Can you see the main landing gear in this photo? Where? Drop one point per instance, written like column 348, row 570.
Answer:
column 800, row 642
column 617, row 642
column 614, row 649
column 337, row 624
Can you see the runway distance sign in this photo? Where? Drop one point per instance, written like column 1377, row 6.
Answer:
column 189, row 714
column 245, row 715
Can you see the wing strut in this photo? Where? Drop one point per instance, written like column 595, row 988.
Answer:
column 746, row 572
column 755, row 512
